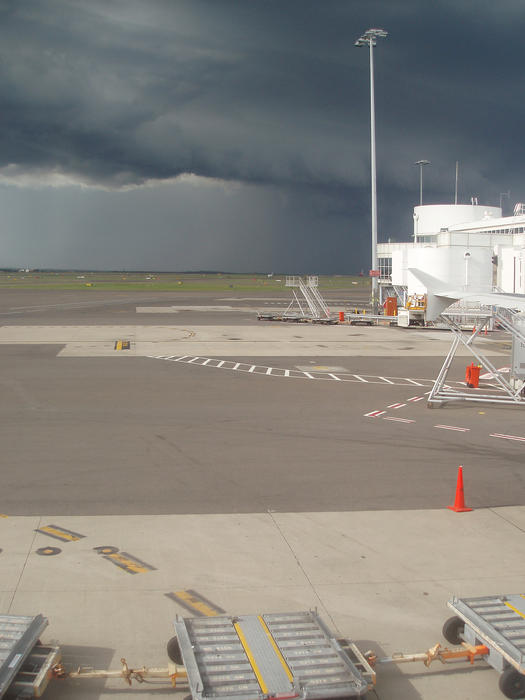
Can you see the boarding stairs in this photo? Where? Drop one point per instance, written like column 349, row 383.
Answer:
column 315, row 303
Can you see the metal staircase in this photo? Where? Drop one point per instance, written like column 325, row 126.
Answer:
column 317, row 308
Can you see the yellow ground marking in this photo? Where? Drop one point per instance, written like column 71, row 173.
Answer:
column 276, row 648
column 122, row 345
column 194, row 601
column 60, row 533
column 251, row 658
column 3, row 516
column 118, row 345
column 128, row 563
column 518, row 612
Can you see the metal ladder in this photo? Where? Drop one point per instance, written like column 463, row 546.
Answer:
column 310, row 291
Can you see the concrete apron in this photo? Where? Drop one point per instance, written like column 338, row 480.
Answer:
column 277, row 340
column 380, row 578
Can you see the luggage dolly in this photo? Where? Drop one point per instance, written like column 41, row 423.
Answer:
column 490, row 628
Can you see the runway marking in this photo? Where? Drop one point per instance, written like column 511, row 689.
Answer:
column 195, row 603
column 60, row 533
column 48, row 551
column 507, row 437
column 129, row 563
column 302, row 374
column 452, row 427
column 399, row 420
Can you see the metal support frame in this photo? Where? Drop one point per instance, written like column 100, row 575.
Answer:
column 504, row 392
column 309, row 289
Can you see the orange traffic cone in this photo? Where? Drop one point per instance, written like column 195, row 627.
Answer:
column 459, row 504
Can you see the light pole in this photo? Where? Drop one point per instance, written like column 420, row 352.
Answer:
column 369, row 39
column 421, row 163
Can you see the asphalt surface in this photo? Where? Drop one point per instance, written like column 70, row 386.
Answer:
column 137, row 435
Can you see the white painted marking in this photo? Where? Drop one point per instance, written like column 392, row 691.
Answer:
column 286, row 372
column 386, row 380
column 416, row 398
column 360, row 378
column 338, row 379
column 220, row 363
column 396, row 405
column 413, row 381
column 307, row 374
column 236, row 365
column 208, row 360
column 193, row 360
column 508, row 437
column 374, row 414
column 452, row 427
column 269, row 370
column 252, row 368
column 399, row 420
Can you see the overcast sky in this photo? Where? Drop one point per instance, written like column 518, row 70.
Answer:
column 234, row 134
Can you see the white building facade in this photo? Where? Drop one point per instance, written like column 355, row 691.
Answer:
column 463, row 246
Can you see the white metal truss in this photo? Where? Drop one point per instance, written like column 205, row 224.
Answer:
column 312, row 296
column 503, row 393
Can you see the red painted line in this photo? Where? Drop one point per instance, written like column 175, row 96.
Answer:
column 374, row 414
column 416, row 398
column 452, row 427
column 508, row 437
column 396, row 405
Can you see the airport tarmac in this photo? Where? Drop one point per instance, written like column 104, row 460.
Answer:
column 293, row 475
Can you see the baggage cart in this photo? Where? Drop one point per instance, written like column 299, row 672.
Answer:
column 25, row 665
column 498, row 622
column 278, row 655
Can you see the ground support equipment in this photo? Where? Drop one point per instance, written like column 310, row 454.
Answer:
column 502, row 393
column 282, row 656
column 295, row 319
column 498, row 623
column 25, row 665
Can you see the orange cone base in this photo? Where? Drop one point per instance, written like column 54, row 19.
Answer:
column 457, row 509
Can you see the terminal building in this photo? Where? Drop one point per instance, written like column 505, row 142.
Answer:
column 468, row 247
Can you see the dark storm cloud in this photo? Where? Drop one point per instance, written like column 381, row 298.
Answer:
column 271, row 93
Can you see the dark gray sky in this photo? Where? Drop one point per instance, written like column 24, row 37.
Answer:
column 234, row 134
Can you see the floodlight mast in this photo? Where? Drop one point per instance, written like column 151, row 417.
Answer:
column 369, row 39
column 421, row 163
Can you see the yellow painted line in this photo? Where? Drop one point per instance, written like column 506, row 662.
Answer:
column 276, row 648
column 193, row 601
column 60, row 533
column 3, row 516
column 128, row 563
column 118, row 345
column 251, row 658
column 518, row 612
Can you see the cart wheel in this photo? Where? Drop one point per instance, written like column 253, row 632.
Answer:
column 512, row 683
column 452, row 629
column 173, row 649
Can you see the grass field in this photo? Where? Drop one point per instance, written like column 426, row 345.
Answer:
column 165, row 281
